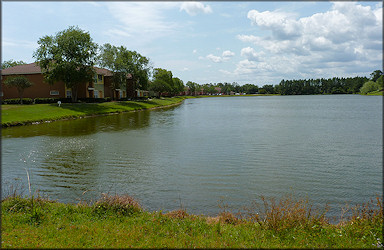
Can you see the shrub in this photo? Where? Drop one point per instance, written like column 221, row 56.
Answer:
column 94, row 100
column 369, row 86
column 17, row 101
column 118, row 204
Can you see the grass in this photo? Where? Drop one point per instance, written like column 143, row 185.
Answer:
column 13, row 115
column 119, row 222
column 378, row 92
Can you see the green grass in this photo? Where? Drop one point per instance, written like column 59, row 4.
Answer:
column 120, row 222
column 378, row 92
column 12, row 115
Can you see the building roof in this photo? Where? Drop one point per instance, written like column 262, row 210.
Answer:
column 24, row 69
column 33, row 68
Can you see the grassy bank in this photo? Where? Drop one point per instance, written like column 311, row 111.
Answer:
column 13, row 115
column 120, row 222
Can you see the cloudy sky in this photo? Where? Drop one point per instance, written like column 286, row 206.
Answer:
column 210, row 42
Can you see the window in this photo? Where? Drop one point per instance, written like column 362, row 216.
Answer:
column 54, row 92
column 100, row 77
column 68, row 94
column 96, row 94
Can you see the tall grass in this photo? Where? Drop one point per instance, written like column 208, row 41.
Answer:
column 120, row 221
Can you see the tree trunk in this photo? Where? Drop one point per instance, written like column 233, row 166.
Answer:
column 74, row 93
column 21, row 91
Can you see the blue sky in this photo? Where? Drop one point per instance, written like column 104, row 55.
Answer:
column 210, row 42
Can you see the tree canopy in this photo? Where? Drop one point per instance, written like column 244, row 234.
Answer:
column 19, row 82
column 68, row 56
column 122, row 62
column 162, row 81
column 11, row 63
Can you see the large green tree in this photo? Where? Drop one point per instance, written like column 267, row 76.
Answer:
column 11, row 63
column 162, row 81
column 122, row 62
column 177, row 86
column 68, row 56
column 19, row 82
column 193, row 87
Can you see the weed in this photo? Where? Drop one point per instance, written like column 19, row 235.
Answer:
column 118, row 204
column 177, row 214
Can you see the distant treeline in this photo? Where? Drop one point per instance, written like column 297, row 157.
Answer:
column 333, row 85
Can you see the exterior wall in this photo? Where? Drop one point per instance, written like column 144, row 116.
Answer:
column 99, row 91
column 40, row 89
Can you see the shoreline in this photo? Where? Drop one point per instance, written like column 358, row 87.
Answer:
column 119, row 221
column 83, row 116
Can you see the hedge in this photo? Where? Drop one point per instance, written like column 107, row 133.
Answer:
column 17, row 101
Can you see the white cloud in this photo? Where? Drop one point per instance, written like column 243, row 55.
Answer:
column 194, row 51
column 347, row 34
column 144, row 20
column 228, row 54
column 216, row 59
column 225, row 56
column 251, row 54
column 194, row 8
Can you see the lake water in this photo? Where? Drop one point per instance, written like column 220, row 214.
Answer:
column 208, row 151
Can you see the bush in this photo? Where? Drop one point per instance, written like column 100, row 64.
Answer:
column 369, row 86
column 117, row 204
column 94, row 100
column 17, row 101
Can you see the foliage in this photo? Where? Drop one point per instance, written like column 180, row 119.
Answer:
column 18, row 101
column 209, row 88
column 193, row 87
column 123, row 62
column 19, row 82
column 285, row 224
column 117, row 204
column 11, row 63
column 177, row 86
column 376, row 75
column 321, row 86
column 369, row 86
column 69, row 56
column 51, row 100
column 162, row 81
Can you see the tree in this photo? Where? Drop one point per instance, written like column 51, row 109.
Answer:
column 19, row 82
column 369, row 86
column 162, row 81
column 375, row 75
column 193, row 87
column 69, row 56
column 177, row 86
column 11, row 63
column 122, row 62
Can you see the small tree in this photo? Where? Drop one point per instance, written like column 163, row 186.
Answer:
column 19, row 82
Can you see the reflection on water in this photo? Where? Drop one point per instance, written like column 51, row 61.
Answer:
column 326, row 148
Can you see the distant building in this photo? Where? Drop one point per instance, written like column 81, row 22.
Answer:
column 99, row 88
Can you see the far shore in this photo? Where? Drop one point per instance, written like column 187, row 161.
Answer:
column 19, row 115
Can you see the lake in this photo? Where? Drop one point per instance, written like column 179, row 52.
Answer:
column 208, row 152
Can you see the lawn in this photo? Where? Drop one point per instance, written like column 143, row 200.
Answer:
column 12, row 115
